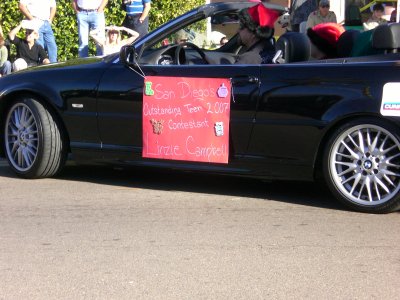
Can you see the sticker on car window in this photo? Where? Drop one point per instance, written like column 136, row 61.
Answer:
column 390, row 105
column 186, row 118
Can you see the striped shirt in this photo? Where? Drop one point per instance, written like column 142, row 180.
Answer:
column 135, row 7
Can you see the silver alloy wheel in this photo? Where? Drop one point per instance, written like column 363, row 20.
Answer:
column 21, row 136
column 364, row 164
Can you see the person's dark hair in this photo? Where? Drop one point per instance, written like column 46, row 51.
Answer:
column 393, row 16
column 378, row 7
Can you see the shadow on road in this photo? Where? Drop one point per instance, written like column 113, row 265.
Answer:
column 301, row 193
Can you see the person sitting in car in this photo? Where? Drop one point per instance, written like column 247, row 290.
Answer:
column 256, row 29
column 323, row 39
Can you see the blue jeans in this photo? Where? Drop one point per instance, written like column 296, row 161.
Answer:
column 88, row 21
column 5, row 69
column 47, row 40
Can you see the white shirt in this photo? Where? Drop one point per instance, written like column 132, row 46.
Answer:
column 89, row 4
column 39, row 9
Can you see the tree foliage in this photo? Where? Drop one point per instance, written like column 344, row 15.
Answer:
column 65, row 25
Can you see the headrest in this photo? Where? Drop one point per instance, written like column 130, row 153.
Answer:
column 346, row 41
column 295, row 46
column 386, row 36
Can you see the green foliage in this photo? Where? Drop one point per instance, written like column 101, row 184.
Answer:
column 65, row 25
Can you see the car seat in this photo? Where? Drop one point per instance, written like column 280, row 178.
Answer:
column 346, row 42
column 353, row 15
column 386, row 37
column 363, row 45
column 294, row 47
column 303, row 27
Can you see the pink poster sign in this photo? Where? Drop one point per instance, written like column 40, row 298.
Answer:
column 186, row 118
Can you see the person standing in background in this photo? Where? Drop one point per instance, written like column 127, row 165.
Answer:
column 90, row 17
column 137, row 15
column 299, row 12
column 43, row 12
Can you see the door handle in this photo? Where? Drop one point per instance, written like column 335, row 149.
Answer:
column 242, row 80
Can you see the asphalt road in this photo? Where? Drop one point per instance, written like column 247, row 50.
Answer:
column 99, row 233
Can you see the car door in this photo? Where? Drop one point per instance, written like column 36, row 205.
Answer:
column 297, row 103
column 120, row 97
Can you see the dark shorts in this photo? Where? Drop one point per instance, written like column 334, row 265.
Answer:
column 133, row 23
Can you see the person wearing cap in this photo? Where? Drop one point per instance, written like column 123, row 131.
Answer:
column 90, row 16
column 29, row 53
column 323, row 39
column 113, row 43
column 43, row 12
column 321, row 15
column 256, row 29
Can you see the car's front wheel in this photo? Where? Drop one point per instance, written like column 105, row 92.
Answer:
column 362, row 165
column 33, row 141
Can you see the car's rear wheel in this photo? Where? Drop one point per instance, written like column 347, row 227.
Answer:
column 362, row 165
column 33, row 141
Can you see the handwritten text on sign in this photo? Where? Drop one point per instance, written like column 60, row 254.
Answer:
column 186, row 118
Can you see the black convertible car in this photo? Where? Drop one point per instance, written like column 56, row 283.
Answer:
column 159, row 103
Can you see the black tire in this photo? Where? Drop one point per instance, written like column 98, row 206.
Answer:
column 362, row 165
column 34, row 146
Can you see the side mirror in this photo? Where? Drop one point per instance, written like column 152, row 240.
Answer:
column 128, row 55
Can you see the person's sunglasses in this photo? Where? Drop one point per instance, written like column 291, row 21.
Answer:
column 325, row 6
column 28, row 31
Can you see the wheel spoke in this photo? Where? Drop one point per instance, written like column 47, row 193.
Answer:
column 345, row 156
column 368, row 187
column 389, row 149
column 374, row 143
column 23, row 116
column 360, row 141
column 15, row 147
column 352, row 153
column 351, row 167
column 357, row 179
column 17, row 118
column 388, row 180
column 382, row 185
column 20, row 157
